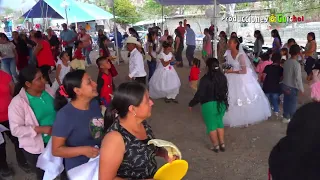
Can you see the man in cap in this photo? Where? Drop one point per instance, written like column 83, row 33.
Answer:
column 136, row 64
column 68, row 37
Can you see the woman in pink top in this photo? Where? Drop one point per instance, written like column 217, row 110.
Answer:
column 23, row 118
column 265, row 61
column 87, row 44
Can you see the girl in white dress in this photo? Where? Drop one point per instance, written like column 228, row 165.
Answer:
column 248, row 103
column 62, row 69
column 165, row 82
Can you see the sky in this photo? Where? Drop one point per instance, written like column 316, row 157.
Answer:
column 17, row 4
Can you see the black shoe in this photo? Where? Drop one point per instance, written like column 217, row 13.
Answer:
column 25, row 167
column 6, row 172
column 215, row 148
column 222, row 147
column 167, row 100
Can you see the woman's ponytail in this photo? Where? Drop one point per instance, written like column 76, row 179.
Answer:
column 110, row 116
column 59, row 101
column 17, row 89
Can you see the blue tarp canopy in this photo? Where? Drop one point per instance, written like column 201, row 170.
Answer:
column 200, row 2
column 76, row 11
column 42, row 9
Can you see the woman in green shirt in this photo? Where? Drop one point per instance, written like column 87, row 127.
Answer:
column 31, row 115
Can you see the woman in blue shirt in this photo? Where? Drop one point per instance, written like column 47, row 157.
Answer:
column 77, row 131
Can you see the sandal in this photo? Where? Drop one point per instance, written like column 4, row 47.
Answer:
column 222, row 147
column 167, row 100
column 215, row 148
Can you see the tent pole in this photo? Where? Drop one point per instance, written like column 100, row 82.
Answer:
column 215, row 29
column 115, row 34
column 65, row 10
column 162, row 20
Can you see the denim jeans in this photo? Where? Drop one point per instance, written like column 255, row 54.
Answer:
column 9, row 65
column 289, row 101
column 152, row 67
column 86, row 51
column 190, row 53
column 274, row 100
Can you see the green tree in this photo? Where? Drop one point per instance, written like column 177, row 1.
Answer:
column 125, row 11
column 152, row 10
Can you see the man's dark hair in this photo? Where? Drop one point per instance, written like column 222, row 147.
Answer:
column 188, row 25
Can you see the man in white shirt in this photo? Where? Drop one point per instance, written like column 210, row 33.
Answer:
column 136, row 65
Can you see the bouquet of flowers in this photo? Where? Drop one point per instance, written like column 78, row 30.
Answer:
column 226, row 66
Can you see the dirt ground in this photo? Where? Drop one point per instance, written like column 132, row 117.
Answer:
column 247, row 152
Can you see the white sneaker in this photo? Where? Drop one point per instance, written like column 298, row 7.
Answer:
column 276, row 114
column 286, row 121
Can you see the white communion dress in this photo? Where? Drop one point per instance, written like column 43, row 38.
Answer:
column 247, row 101
column 63, row 72
column 165, row 82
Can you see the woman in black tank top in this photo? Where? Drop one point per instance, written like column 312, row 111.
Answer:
column 125, row 153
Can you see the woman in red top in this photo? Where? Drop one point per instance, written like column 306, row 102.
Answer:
column 104, row 52
column 6, row 91
column 44, row 56
column 78, row 52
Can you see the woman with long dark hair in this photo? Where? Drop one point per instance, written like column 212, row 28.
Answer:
column 127, row 136
column 22, row 50
column 152, row 51
column 277, row 43
column 31, row 115
column 213, row 96
column 178, row 48
column 54, row 44
column 245, row 93
column 134, row 33
column 78, row 128
column 257, row 48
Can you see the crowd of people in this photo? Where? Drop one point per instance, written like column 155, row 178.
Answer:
column 80, row 118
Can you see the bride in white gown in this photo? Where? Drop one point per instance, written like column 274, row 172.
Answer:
column 248, row 103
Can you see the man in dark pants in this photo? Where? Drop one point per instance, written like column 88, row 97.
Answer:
column 5, row 171
column 68, row 37
column 136, row 65
column 191, row 42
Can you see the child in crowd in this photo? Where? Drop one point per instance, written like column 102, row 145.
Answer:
column 104, row 52
column 265, row 61
column 78, row 52
column 78, row 60
column 104, row 83
column 62, row 69
column 271, row 85
column 284, row 56
column 165, row 82
column 194, row 75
